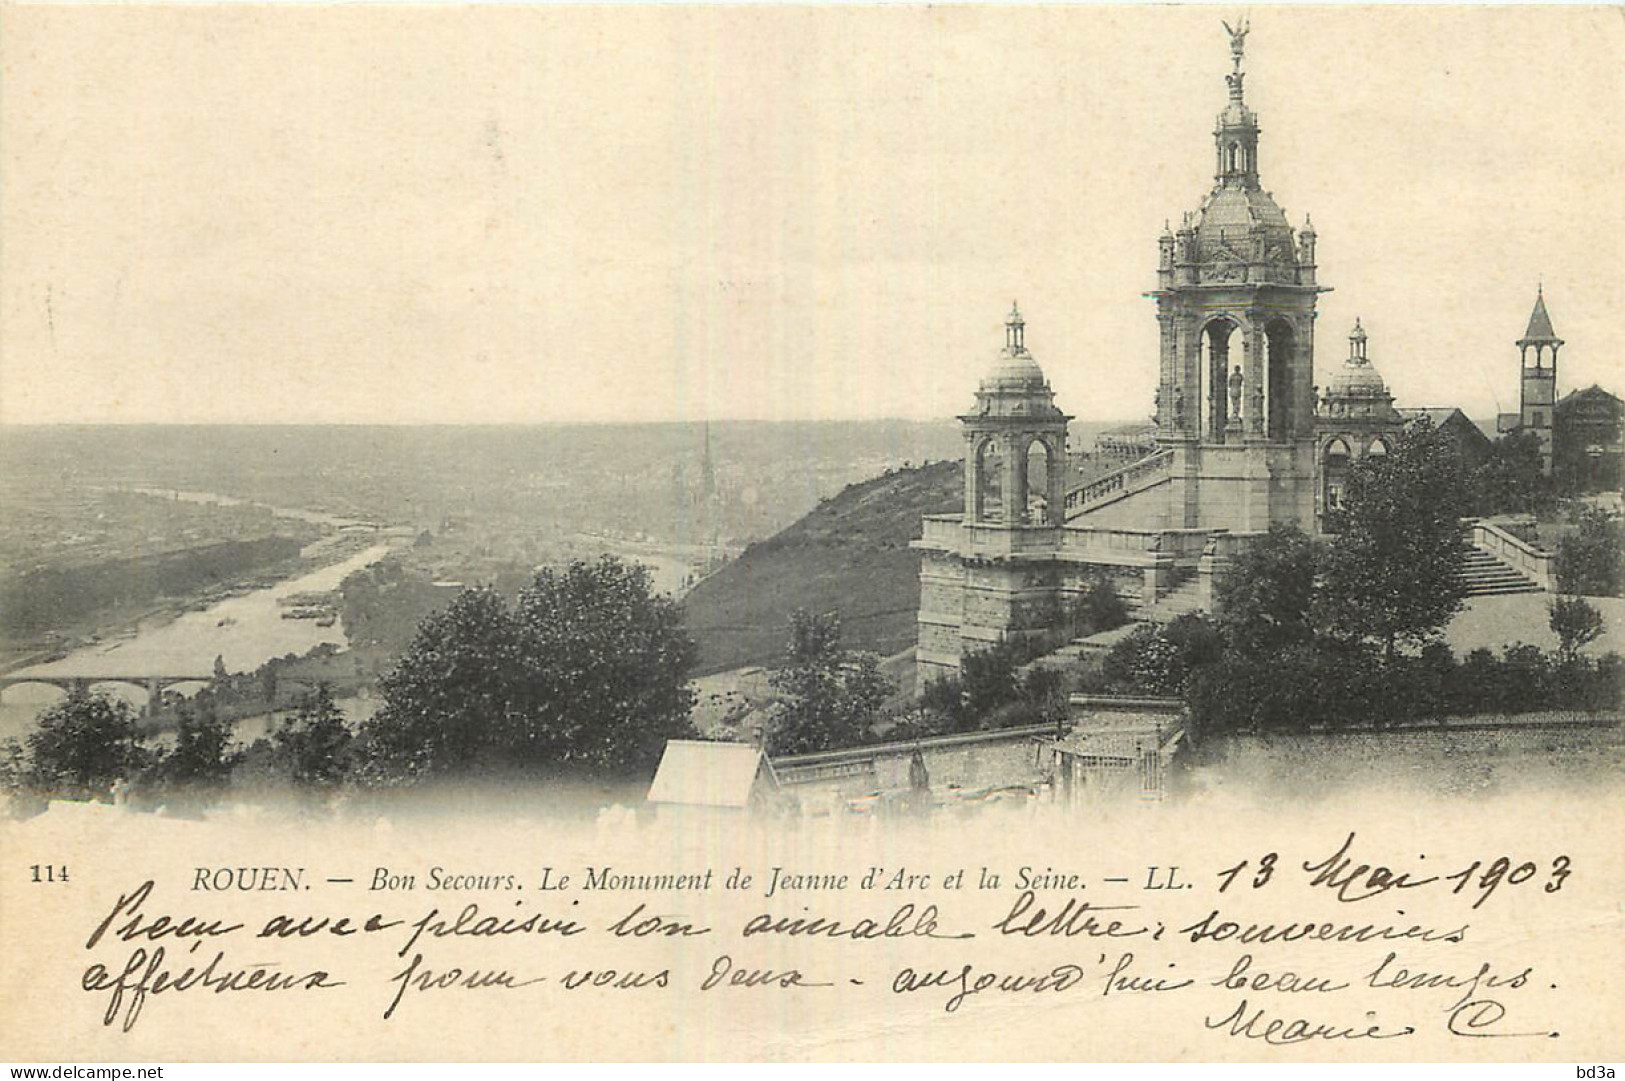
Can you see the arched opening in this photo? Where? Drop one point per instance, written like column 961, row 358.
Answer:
column 182, row 689
column 1036, row 482
column 1334, row 469
column 989, row 482
column 1214, row 378
column 134, row 694
column 1378, row 447
column 1235, row 158
column 1281, row 349
column 21, row 704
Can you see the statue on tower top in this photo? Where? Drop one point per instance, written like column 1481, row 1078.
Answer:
column 1238, row 39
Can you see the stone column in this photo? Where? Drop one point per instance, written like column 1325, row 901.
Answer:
column 1189, row 389
column 1015, row 480
column 1254, row 374
column 1304, row 378
column 1218, row 370
column 1056, row 489
column 973, row 472
column 1167, row 371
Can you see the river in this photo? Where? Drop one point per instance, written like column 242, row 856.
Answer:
column 243, row 631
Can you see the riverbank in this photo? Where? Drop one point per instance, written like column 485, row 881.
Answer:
column 108, row 627
column 242, row 631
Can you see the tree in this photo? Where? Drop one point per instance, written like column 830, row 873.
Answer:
column 1511, row 479
column 448, row 699
column 314, row 744
column 829, row 697
column 83, row 744
column 1393, row 571
column 1588, row 559
column 607, row 665
column 588, row 671
column 1576, row 625
column 202, row 756
column 1266, row 602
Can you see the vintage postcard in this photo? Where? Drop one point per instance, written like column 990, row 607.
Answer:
column 833, row 533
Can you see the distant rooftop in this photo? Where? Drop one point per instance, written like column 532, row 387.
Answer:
column 1438, row 414
column 704, row 773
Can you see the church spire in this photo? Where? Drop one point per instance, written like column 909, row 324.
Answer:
column 1540, row 323
column 1539, row 335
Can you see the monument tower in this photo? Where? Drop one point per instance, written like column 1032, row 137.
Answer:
column 1236, row 434
column 1236, row 293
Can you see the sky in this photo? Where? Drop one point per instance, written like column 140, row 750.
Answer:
column 512, row 214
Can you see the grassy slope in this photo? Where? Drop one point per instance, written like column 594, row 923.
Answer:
column 850, row 555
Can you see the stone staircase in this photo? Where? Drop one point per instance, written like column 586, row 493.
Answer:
column 1488, row 576
column 1182, row 600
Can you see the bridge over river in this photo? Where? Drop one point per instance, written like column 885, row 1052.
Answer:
column 154, row 685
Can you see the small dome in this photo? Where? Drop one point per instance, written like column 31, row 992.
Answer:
column 1015, row 385
column 1358, row 379
column 1015, row 371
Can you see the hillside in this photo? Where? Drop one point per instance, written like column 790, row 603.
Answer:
column 849, row 555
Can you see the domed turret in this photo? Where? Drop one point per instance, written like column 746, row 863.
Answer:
column 1015, row 442
column 1015, row 384
column 1358, row 388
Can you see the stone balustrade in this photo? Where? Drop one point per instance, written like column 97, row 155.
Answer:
column 1120, row 481
column 1528, row 560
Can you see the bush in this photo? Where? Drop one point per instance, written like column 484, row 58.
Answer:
column 989, row 677
column 1159, row 660
column 1587, row 561
column 1043, row 695
column 1576, row 624
column 1100, row 608
column 1342, row 684
column 943, row 703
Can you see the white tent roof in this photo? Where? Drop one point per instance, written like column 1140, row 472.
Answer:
column 706, row 774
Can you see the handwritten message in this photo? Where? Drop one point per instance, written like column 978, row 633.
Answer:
column 1348, row 965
